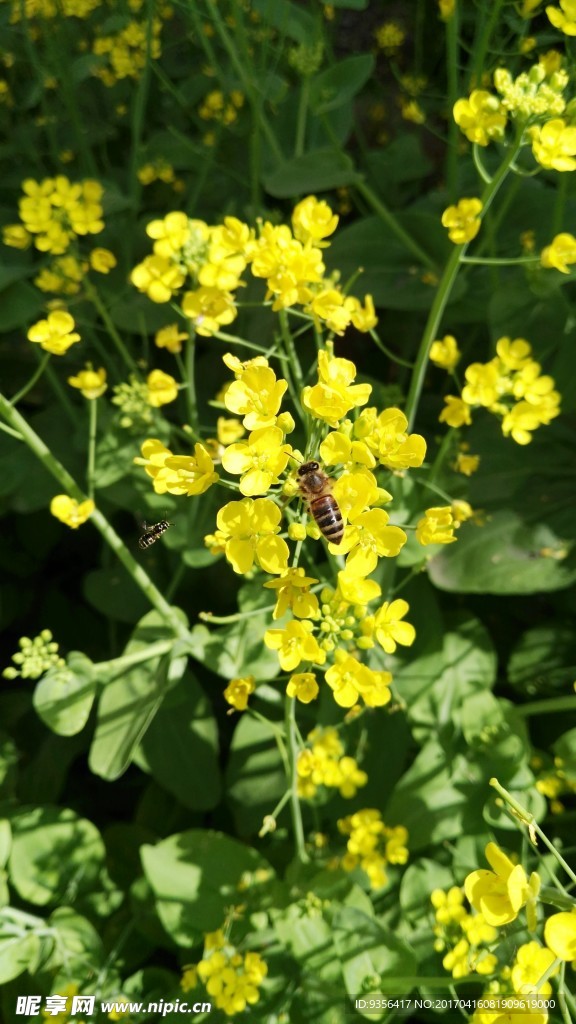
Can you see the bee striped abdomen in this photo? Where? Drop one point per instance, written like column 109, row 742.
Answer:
column 152, row 533
column 328, row 517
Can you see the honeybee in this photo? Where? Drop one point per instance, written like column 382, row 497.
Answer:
column 316, row 489
column 152, row 532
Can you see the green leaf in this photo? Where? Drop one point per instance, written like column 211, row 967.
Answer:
column 129, row 703
column 503, row 557
column 21, row 304
column 340, row 83
column 54, row 854
column 194, row 876
column 237, row 650
column 370, row 955
column 288, row 19
column 76, row 943
column 418, row 882
column 256, row 775
column 316, row 171
column 16, row 954
column 180, row 748
column 543, row 663
column 64, row 696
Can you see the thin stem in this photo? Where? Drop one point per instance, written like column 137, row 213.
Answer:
column 445, row 289
column 387, row 352
column 93, row 296
column 302, row 116
column 92, row 426
column 290, row 718
column 552, row 704
column 499, row 261
column 453, row 93
column 117, row 666
column 57, row 470
column 233, row 340
column 35, row 376
column 223, row 620
column 528, row 819
column 396, row 228
column 270, row 819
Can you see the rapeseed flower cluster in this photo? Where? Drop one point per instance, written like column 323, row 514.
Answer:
column 209, row 263
column 322, row 762
column 55, row 212
column 371, row 845
column 232, row 979
column 461, row 936
column 512, row 387
column 123, row 54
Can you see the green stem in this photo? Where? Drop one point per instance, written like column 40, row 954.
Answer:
column 499, row 261
column 395, row 227
column 92, row 425
column 528, row 819
column 117, row 666
column 233, row 340
column 445, row 289
column 302, row 116
column 244, row 77
column 35, row 376
column 552, row 704
column 223, row 620
column 290, row 718
column 270, row 819
column 453, row 93
column 93, row 296
column 387, row 352
column 57, row 470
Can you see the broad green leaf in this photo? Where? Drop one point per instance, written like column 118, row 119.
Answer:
column 371, row 956
column 194, row 877
column 340, row 83
column 76, row 943
column 16, row 953
column 128, row 703
column 115, row 594
column 54, row 854
column 64, row 696
column 438, row 797
column 256, row 775
column 21, row 304
column 289, row 19
column 180, row 748
column 504, row 556
column 236, row 650
column 543, row 662
column 316, row 171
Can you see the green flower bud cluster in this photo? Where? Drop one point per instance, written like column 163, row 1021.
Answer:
column 132, row 398
column 35, row 657
column 306, row 59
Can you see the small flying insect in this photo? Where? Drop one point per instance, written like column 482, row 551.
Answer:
column 152, row 532
column 316, row 489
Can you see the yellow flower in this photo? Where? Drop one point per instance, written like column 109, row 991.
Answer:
column 483, row 384
column 437, row 526
column 386, row 435
column 554, row 145
column 355, row 492
column 102, row 260
column 372, row 844
column 92, row 383
column 481, row 117
column 563, row 18
column 560, row 253
column 288, row 266
column 329, row 305
column 159, row 278
column 466, row 464
column 70, row 512
column 445, row 353
column 532, row 961
column 249, row 528
column 457, row 960
column 447, row 8
column 389, row 628
column 366, row 539
column 177, row 474
column 334, row 394
column 293, row 588
column 448, row 905
column 55, row 334
column 259, row 460
column 256, row 396
column 16, row 236
column 500, row 894
column 339, row 449
column 313, row 221
column 170, row 338
column 411, row 111
column 520, row 422
column 294, row 644
column 303, row 686
column 514, row 354
column 162, row 388
column 362, row 317
column 238, row 691
column 209, row 309
column 560, row 935
column 455, row 412
column 350, row 679
column 463, row 221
